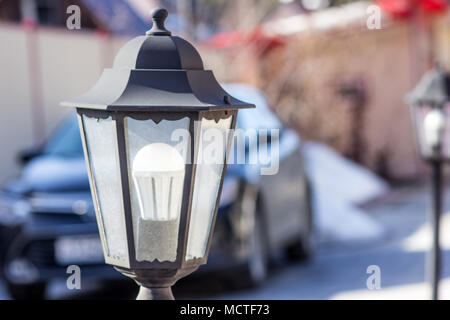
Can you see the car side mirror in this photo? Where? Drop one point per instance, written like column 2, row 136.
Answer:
column 27, row 155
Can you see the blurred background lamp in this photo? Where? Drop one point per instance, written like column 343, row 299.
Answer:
column 155, row 204
column 434, row 127
column 430, row 114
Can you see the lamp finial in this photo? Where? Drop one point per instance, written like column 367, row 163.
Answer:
column 158, row 15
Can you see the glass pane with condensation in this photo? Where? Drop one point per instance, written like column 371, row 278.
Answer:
column 101, row 145
column 156, row 154
column 214, row 137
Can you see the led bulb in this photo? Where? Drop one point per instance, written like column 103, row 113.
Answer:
column 434, row 126
column 158, row 174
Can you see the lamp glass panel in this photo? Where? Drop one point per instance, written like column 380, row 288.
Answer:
column 101, row 146
column 213, row 140
column 156, row 154
column 432, row 125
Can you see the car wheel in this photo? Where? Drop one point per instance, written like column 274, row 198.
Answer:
column 256, row 267
column 249, row 239
column 27, row 292
column 303, row 248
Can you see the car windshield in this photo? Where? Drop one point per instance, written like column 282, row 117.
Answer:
column 65, row 141
column 261, row 117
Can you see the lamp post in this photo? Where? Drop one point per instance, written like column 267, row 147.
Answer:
column 430, row 111
column 155, row 202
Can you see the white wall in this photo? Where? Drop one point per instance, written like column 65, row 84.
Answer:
column 38, row 69
column 15, row 107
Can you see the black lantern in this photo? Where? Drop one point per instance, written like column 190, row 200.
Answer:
column 155, row 201
column 430, row 109
column 431, row 114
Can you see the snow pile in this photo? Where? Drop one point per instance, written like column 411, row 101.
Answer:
column 339, row 185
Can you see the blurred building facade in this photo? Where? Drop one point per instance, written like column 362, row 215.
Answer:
column 326, row 74
column 339, row 82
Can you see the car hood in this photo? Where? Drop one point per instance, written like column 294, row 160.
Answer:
column 51, row 174
column 63, row 202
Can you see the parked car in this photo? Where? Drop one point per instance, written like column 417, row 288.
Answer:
column 47, row 220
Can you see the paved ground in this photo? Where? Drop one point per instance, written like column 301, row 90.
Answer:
column 340, row 271
column 337, row 271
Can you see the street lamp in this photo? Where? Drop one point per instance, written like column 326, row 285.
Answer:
column 155, row 201
column 430, row 111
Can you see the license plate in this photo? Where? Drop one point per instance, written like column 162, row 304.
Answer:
column 78, row 249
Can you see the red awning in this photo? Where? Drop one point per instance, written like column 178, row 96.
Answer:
column 400, row 9
column 235, row 38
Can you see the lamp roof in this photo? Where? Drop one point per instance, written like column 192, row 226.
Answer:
column 432, row 89
column 157, row 72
